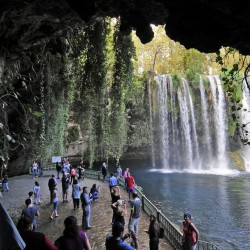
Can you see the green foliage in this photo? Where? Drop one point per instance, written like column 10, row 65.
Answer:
column 234, row 68
column 73, row 134
column 164, row 56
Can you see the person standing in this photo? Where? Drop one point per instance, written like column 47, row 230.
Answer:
column 81, row 170
column 41, row 165
column 116, row 241
column 58, row 169
column 120, row 210
column 115, row 196
column 104, row 171
column 51, row 184
column 37, row 193
column 31, row 196
column 34, row 170
column 112, row 181
column 135, row 214
column 65, row 187
column 125, row 175
column 33, row 240
column 5, row 182
column 55, row 203
column 86, row 208
column 72, row 175
column 73, row 238
column 153, row 233
column 190, row 233
column 76, row 193
column 119, row 172
column 130, row 185
column 30, row 211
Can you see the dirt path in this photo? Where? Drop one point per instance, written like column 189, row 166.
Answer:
column 101, row 212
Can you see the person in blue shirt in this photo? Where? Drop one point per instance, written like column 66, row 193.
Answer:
column 86, row 208
column 112, row 181
column 31, row 211
column 116, row 241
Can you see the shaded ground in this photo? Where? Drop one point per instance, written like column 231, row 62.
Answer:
column 101, row 212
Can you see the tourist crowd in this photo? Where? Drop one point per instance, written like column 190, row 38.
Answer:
column 75, row 237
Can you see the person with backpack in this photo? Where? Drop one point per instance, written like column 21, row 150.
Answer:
column 30, row 211
column 190, row 233
column 72, row 175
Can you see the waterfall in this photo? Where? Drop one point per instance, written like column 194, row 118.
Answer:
column 193, row 125
column 191, row 138
column 163, row 101
column 205, row 120
column 220, row 125
column 245, row 119
column 151, row 124
column 186, row 128
column 174, row 132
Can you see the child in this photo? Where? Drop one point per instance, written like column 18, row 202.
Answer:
column 31, row 194
column 55, row 203
column 5, row 183
column 37, row 194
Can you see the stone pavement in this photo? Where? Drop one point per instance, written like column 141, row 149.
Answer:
column 101, row 212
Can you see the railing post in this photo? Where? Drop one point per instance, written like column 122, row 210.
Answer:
column 142, row 201
column 158, row 215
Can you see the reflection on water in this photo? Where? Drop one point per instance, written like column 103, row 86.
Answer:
column 218, row 204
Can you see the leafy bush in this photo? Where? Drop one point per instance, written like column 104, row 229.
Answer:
column 73, row 134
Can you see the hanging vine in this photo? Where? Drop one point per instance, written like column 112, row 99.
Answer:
column 122, row 79
column 235, row 71
column 91, row 84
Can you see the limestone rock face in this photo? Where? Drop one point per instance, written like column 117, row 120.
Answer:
column 202, row 24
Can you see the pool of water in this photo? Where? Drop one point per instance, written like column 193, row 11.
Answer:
column 219, row 204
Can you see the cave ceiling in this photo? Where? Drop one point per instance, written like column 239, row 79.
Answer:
column 206, row 25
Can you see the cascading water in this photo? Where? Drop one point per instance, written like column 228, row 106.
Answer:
column 219, row 122
column 191, row 138
column 163, row 99
column 245, row 119
column 205, row 120
column 151, row 124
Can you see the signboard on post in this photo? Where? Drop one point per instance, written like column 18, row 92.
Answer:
column 56, row 159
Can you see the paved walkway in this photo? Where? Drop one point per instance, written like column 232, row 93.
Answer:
column 101, row 212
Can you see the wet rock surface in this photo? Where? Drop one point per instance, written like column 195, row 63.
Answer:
column 101, row 212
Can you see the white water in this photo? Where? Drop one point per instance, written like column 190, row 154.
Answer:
column 151, row 125
column 163, row 99
column 181, row 148
column 245, row 119
column 208, row 140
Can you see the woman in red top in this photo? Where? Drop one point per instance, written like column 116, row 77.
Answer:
column 190, row 233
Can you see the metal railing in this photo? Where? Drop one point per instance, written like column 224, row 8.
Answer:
column 172, row 234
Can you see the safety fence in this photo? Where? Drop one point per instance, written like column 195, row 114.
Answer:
column 172, row 234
